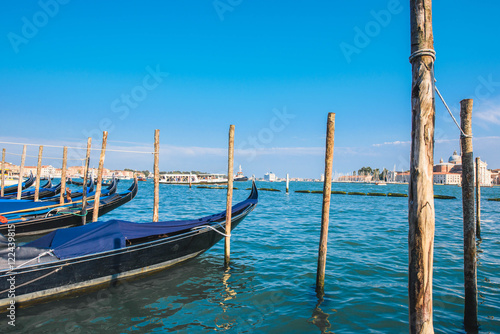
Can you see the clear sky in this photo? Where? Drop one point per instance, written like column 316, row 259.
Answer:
column 72, row 68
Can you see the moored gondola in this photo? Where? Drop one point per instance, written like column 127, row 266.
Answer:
column 46, row 190
column 45, row 220
column 25, row 184
column 68, row 261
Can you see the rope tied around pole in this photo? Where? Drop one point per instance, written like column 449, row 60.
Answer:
column 432, row 53
column 423, row 52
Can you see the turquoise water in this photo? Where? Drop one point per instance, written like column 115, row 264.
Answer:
column 270, row 286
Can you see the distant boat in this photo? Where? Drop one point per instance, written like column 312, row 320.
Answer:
column 240, row 177
column 193, row 179
column 380, row 183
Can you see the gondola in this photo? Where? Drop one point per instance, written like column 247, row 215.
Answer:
column 104, row 182
column 68, row 261
column 51, row 218
column 46, row 191
column 21, row 205
column 77, row 195
column 25, row 184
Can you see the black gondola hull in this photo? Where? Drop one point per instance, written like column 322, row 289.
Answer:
column 64, row 277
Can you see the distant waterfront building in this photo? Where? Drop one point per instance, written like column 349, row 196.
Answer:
column 29, row 169
column 484, row 174
column 495, row 176
column 451, row 172
column 270, row 177
column 447, row 178
column 322, row 178
column 354, row 178
column 402, row 177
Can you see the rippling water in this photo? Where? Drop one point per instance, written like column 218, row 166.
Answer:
column 270, row 286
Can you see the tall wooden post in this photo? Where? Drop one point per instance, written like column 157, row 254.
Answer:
column 287, row 182
column 38, row 173
column 156, row 202
column 470, row 270
column 189, row 179
column 478, row 199
column 421, row 214
column 325, row 213
column 85, row 174
column 63, row 175
column 229, row 198
column 95, row 213
column 3, row 173
column 21, row 172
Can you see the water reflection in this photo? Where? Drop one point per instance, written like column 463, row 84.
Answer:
column 224, row 321
column 319, row 317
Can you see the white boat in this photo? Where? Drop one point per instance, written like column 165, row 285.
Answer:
column 193, row 178
column 10, row 182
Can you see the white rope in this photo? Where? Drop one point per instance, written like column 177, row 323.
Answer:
column 449, row 111
column 124, row 151
column 13, row 143
column 35, row 258
column 432, row 53
column 77, row 148
column 35, row 156
column 213, row 228
column 423, row 52
column 38, row 278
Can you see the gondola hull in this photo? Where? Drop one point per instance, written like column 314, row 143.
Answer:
column 62, row 277
column 44, row 224
column 25, row 184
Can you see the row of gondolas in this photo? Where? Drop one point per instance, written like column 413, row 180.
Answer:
column 49, row 249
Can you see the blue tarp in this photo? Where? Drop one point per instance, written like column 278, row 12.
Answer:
column 108, row 235
column 8, row 205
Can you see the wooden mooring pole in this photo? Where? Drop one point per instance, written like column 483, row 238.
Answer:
column 63, row 175
column 95, row 213
column 229, row 197
column 38, row 173
column 325, row 213
column 421, row 214
column 3, row 173
column 478, row 199
column 85, row 172
column 470, row 269
column 156, row 171
column 21, row 172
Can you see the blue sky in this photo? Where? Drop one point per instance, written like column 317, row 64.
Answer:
column 70, row 69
